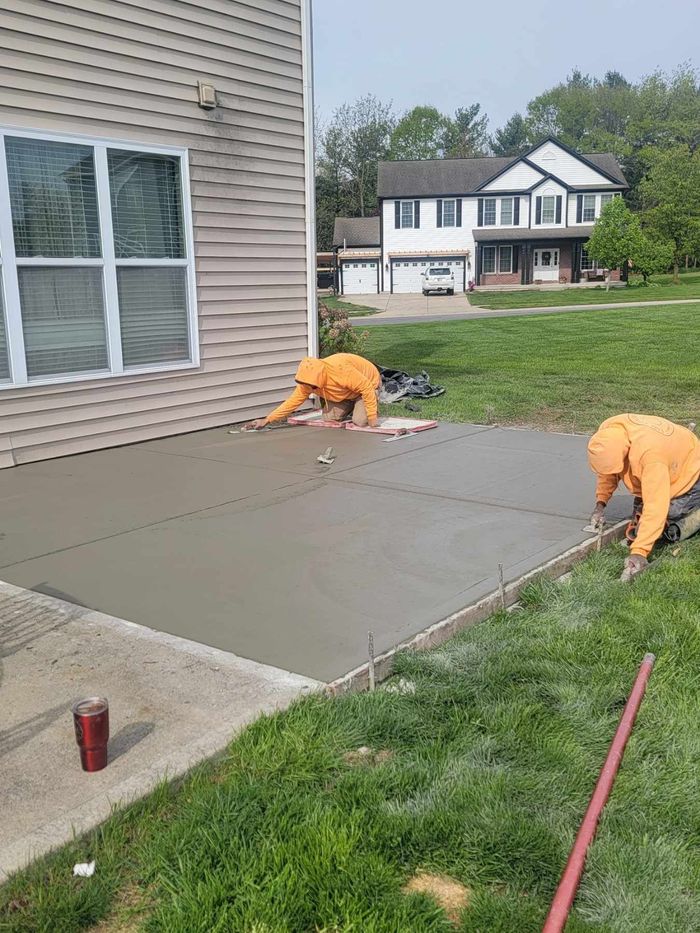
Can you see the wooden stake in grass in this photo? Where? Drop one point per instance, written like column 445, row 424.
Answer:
column 501, row 586
column 370, row 652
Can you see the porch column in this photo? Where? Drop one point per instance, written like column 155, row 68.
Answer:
column 575, row 262
column 527, row 266
column 523, row 264
column 477, row 265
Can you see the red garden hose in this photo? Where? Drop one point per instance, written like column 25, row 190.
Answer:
column 571, row 878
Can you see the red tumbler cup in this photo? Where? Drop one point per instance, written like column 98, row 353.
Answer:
column 91, row 721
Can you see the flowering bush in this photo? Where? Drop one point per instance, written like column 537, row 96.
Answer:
column 336, row 334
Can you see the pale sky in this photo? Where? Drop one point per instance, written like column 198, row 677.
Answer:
column 452, row 53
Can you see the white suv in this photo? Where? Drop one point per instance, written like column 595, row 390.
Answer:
column 438, row 279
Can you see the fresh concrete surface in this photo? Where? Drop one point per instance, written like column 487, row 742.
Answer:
column 172, row 703
column 417, row 309
column 246, row 543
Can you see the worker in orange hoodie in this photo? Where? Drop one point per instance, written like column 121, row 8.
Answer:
column 346, row 385
column 659, row 462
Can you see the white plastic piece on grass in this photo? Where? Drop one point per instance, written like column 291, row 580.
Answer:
column 84, row 869
column 402, row 686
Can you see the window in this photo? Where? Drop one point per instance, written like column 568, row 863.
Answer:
column 449, row 213
column 94, row 260
column 505, row 258
column 489, row 212
column 406, row 214
column 548, row 208
column 588, row 208
column 489, row 259
column 506, row 212
column 605, row 199
column 587, row 264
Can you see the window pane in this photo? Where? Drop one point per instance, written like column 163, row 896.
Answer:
column 407, row 213
column 504, row 258
column 153, row 314
column 4, row 356
column 53, row 199
column 146, row 205
column 507, row 211
column 589, row 207
column 548, row 205
column 605, row 199
column 448, row 213
column 489, row 212
column 489, row 259
column 63, row 320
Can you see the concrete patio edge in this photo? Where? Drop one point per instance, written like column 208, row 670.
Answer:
column 358, row 679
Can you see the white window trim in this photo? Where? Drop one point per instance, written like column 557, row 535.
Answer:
column 495, row 213
column 548, row 223
column 494, row 271
column 453, row 202
column 596, row 208
column 412, row 225
column 509, row 270
column 108, row 261
column 510, row 223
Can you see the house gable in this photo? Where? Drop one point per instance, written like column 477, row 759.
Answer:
column 520, row 176
column 554, row 159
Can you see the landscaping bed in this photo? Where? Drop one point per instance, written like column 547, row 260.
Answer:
column 467, row 780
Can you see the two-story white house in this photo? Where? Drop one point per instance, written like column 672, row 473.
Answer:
column 495, row 220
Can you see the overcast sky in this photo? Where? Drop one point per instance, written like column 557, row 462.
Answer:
column 455, row 52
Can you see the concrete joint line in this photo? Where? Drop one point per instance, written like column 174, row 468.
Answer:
column 358, row 679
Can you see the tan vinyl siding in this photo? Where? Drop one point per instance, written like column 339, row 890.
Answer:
column 122, row 70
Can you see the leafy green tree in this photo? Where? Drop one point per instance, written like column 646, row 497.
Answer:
column 670, row 196
column 650, row 256
column 420, row 134
column 614, row 236
column 512, row 138
column 466, row 135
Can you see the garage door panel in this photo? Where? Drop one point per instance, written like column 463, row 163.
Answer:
column 406, row 273
column 360, row 278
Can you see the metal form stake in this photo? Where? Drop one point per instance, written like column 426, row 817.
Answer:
column 370, row 652
column 601, row 529
column 501, row 586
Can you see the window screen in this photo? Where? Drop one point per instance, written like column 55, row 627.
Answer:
column 588, row 207
column 489, row 259
column 548, row 209
column 489, row 212
column 153, row 315
column 448, row 213
column 506, row 211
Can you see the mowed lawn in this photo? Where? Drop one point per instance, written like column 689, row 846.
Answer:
column 557, row 371
column 661, row 288
column 478, row 767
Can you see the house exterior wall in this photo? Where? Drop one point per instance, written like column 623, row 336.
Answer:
column 521, row 175
column 115, row 69
column 551, row 158
column 572, row 207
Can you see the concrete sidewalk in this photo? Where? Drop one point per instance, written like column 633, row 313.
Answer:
column 172, row 703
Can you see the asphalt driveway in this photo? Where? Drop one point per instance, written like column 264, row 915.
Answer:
column 246, row 543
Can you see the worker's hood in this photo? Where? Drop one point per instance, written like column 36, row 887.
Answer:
column 608, row 449
column 312, row 372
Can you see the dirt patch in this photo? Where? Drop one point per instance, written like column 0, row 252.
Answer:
column 367, row 756
column 128, row 913
column 449, row 894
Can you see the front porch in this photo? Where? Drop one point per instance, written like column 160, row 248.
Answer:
column 514, row 258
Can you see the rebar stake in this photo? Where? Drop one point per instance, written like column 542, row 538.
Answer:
column 370, row 652
column 501, row 586
column 601, row 529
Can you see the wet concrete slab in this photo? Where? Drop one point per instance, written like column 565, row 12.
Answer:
column 300, row 560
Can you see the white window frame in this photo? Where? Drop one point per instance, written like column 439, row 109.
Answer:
column 553, row 199
column 107, row 262
column 509, row 222
column 495, row 212
column 609, row 195
column 453, row 203
column 406, row 226
column 495, row 260
column 501, row 252
column 584, row 208
column 590, row 264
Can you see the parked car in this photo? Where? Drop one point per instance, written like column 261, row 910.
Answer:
column 438, row 279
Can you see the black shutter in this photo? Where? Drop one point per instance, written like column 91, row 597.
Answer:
column 538, row 210
column 558, row 217
column 397, row 214
column 480, row 221
column 515, row 249
column 416, row 214
column 579, row 208
column 459, row 212
column 439, row 212
column 516, row 211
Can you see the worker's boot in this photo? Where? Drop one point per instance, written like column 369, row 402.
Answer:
column 631, row 529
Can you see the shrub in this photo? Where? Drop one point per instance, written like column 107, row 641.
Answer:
column 336, row 334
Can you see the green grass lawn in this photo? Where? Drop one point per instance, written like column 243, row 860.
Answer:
column 332, row 301
column 660, row 288
column 553, row 371
column 480, row 770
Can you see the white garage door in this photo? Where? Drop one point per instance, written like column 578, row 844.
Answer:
column 407, row 272
column 360, row 278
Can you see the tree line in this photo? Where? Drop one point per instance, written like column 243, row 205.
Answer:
column 652, row 127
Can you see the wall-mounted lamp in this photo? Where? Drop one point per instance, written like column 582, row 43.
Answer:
column 207, row 95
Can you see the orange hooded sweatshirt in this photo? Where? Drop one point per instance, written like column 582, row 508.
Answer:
column 337, row 378
column 656, row 459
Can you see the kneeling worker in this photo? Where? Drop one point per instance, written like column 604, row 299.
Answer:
column 659, row 462
column 346, row 385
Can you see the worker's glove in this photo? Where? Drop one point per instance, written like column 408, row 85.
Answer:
column 598, row 516
column 255, row 425
column 634, row 565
